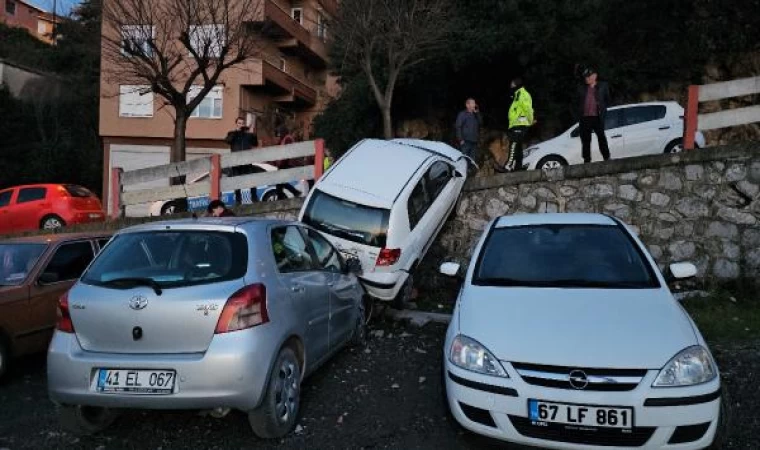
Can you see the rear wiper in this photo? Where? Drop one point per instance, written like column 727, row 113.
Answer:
column 150, row 282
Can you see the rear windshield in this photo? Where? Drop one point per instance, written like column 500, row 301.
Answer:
column 351, row 221
column 170, row 258
column 77, row 191
column 563, row 256
column 17, row 260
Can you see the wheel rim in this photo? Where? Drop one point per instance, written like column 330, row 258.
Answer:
column 52, row 223
column 551, row 165
column 678, row 148
column 286, row 391
column 169, row 210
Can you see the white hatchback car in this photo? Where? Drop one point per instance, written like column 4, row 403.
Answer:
column 384, row 202
column 632, row 130
column 565, row 335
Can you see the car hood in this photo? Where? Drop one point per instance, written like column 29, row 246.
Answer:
column 595, row 328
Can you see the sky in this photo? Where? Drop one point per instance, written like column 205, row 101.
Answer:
column 63, row 6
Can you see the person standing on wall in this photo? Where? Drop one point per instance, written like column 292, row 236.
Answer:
column 520, row 121
column 241, row 139
column 467, row 129
column 593, row 98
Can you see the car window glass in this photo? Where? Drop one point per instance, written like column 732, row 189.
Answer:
column 418, row 204
column 576, row 132
column 17, row 260
column 5, row 198
column 347, row 220
column 437, row 178
column 327, row 256
column 641, row 114
column 31, row 194
column 290, row 250
column 613, row 119
column 69, row 261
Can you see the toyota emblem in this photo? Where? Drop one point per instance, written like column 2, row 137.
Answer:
column 578, row 379
column 138, row 302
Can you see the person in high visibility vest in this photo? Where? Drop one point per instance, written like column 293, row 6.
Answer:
column 520, row 120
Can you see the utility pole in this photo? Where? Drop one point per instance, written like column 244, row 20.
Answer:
column 55, row 20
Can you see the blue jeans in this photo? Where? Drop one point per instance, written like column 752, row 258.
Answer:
column 470, row 149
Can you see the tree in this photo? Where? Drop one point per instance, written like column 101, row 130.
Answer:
column 178, row 49
column 383, row 39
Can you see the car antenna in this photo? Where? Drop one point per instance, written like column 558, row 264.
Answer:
column 184, row 188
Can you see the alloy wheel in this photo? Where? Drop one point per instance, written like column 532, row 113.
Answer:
column 551, row 165
column 52, row 224
column 286, row 391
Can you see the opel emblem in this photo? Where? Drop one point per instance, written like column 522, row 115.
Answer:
column 578, row 379
column 138, row 302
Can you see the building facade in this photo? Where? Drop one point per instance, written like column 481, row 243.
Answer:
column 288, row 84
column 38, row 22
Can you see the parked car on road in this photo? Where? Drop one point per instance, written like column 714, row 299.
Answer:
column 565, row 335
column 47, row 206
column 632, row 130
column 203, row 314
column 260, row 193
column 384, row 202
column 34, row 273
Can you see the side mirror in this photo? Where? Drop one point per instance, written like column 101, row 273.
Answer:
column 48, row 278
column 354, row 266
column 681, row 271
column 450, row 269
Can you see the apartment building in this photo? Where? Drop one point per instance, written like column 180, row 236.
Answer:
column 288, row 83
column 38, row 22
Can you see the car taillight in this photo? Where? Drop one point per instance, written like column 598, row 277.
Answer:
column 246, row 308
column 64, row 322
column 388, row 256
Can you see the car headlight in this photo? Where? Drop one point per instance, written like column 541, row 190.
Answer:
column 470, row 355
column 692, row 366
column 527, row 152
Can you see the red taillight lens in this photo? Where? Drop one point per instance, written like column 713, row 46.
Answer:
column 64, row 322
column 246, row 308
column 388, row 256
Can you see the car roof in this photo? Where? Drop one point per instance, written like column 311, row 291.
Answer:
column 519, row 220
column 668, row 103
column 377, row 168
column 206, row 223
column 55, row 238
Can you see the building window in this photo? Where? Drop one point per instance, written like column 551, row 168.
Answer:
column 135, row 101
column 321, row 25
column 297, row 14
column 41, row 28
column 10, row 7
column 211, row 105
column 208, row 40
column 136, row 40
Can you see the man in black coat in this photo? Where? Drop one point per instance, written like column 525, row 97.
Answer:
column 592, row 102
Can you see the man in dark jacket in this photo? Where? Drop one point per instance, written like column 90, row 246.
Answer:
column 240, row 139
column 468, row 129
column 593, row 100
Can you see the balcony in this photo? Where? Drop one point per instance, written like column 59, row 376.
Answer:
column 290, row 36
column 266, row 76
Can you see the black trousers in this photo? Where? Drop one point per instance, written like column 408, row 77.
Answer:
column 516, row 140
column 587, row 125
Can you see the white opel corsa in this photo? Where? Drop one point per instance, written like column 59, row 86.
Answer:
column 566, row 336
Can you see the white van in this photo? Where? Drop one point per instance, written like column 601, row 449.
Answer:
column 384, row 202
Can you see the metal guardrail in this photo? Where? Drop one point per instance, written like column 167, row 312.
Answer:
column 216, row 183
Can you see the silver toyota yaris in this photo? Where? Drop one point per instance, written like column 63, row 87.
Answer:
column 213, row 314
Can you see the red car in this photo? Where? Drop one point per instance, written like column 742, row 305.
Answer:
column 47, row 206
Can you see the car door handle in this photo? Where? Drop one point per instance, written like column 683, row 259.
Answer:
column 615, row 136
column 298, row 289
column 667, row 127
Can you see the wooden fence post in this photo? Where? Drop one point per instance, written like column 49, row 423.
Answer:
column 691, row 118
column 215, row 176
column 319, row 158
column 116, row 189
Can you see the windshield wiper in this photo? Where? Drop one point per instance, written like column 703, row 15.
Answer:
column 150, row 282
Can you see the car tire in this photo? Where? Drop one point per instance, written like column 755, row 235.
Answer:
column 404, row 295
column 359, row 336
column 278, row 412
column 174, row 207
column 86, row 420
column 52, row 222
column 551, row 162
column 676, row 146
column 273, row 196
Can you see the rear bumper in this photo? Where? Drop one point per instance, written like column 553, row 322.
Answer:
column 384, row 286
column 77, row 216
column 232, row 373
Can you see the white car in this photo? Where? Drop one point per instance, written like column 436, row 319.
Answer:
column 632, row 130
column 384, row 202
column 262, row 193
column 565, row 335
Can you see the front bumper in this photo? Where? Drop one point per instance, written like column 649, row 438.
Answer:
column 232, row 373
column 498, row 408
